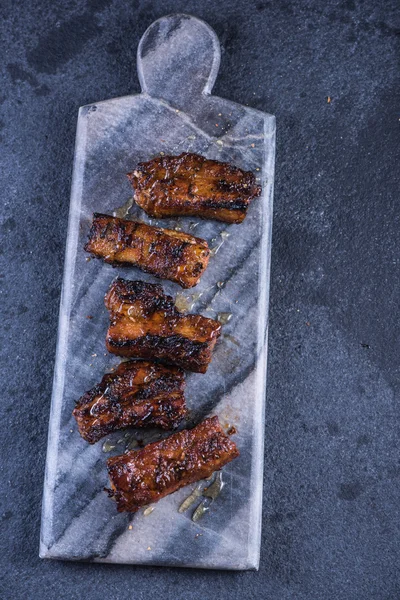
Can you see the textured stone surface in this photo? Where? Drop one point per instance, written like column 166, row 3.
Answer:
column 330, row 518
column 178, row 61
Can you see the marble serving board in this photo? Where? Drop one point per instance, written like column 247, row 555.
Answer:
column 178, row 60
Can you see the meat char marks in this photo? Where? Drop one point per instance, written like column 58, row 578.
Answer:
column 166, row 253
column 144, row 323
column 136, row 394
column 141, row 477
column 192, row 185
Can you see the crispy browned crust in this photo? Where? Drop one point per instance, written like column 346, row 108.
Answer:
column 137, row 394
column 165, row 253
column 192, row 185
column 144, row 323
column 141, row 477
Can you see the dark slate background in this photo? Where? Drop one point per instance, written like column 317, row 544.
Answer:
column 331, row 496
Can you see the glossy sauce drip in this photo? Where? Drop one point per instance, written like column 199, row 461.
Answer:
column 186, row 303
column 108, row 446
column 147, row 511
column 224, row 236
column 224, row 317
column 123, row 210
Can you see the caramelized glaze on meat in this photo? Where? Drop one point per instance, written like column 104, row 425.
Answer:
column 190, row 184
column 166, row 253
column 141, row 477
column 137, row 394
column 144, row 323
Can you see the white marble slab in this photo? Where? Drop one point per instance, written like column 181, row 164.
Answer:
column 178, row 61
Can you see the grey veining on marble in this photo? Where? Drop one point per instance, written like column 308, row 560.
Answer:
column 178, row 61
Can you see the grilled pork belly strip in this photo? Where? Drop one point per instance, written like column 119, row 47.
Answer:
column 165, row 253
column 137, row 394
column 192, row 185
column 144, row 323
column 141, row 477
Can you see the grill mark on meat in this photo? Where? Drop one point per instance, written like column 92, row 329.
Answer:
column 165, row 253
column 144, row 323
column 136, row 394
column 192, row 185
column 142, row 477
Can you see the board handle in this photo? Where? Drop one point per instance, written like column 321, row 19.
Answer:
column 178, row 57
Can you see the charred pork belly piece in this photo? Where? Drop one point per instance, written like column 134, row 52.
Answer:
column 144, row 323
column 190, row 184
column 141, row 477
column 137, row 394
column 166, row 253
